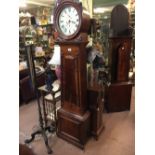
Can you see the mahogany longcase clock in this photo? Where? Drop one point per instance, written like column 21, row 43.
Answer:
column 72, row 24
column 118, row 93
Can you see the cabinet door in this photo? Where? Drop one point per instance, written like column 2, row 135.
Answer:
column 119, row 59
column 73, row 78
column 70, row 80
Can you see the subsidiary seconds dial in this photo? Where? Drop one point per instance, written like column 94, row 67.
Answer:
column 69, row 21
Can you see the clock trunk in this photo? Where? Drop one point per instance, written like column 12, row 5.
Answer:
column 74, row 117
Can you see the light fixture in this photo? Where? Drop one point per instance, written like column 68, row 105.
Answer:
column 105, row 17
column 102, row 9
column 55, row 60
column 99, row 10
column 52, row 19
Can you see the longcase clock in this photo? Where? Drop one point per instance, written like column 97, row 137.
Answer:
column 118, row 93
column 72, row 24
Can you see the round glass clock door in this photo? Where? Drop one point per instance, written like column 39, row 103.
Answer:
column 69, row 21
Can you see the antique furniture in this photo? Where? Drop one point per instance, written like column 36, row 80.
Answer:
column 42, row 129
column 95, row 101
column 25, row 88
column 43, row 91
column 118, row 92
column 70, row 21
column 51, row 108
column 49, row 101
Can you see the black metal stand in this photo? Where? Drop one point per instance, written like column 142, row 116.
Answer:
column 42, row 130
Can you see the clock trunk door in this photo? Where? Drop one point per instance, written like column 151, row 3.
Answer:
column 73, row 84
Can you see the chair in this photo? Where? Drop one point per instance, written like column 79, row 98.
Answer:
column 25, row 87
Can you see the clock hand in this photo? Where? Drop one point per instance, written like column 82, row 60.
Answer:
column 73, row 22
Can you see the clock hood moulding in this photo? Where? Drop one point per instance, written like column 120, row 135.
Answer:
column 83, row 24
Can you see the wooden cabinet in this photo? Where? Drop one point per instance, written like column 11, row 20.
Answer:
column 95, row 101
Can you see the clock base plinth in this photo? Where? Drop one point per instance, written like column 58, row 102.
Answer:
column 118, row 96
column 74, row 128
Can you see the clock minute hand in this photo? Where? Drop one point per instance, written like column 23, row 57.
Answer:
column 73, row 22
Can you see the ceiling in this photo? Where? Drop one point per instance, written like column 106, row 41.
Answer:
column 50, row 3
column 106, row 3
column 36, row 3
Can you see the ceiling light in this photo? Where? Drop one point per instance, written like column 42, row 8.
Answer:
column 105, row 17
column 100, row 10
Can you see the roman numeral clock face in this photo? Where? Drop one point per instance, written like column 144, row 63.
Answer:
column 69, row 21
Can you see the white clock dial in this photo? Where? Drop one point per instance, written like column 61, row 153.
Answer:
column 69, row 20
